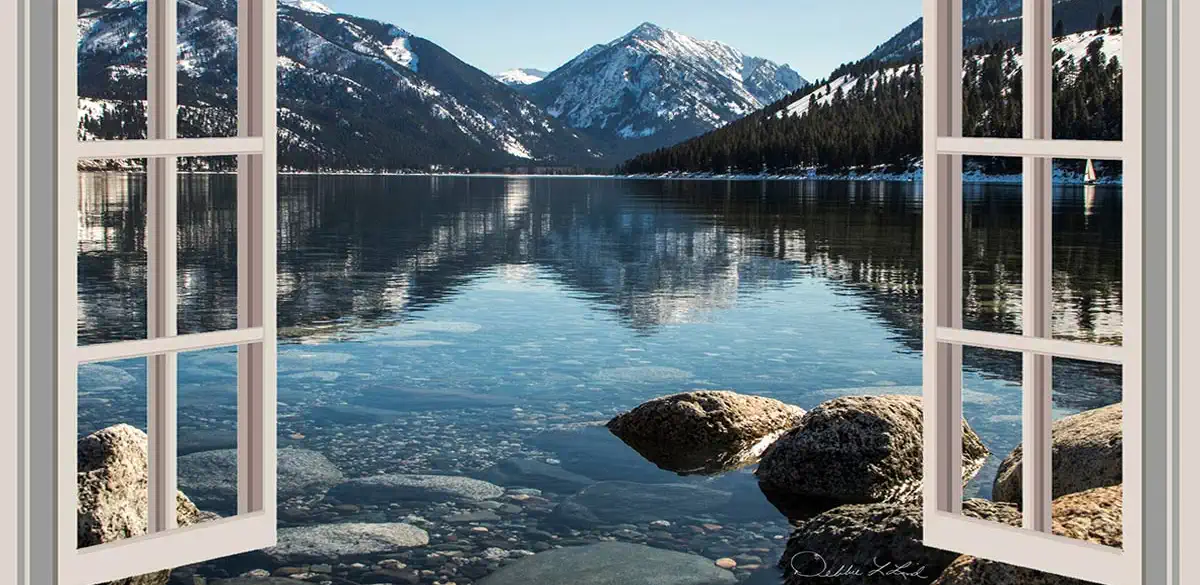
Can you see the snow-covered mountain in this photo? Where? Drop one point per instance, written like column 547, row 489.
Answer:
column 655, row 87
column 354, row 93
column 520, row 77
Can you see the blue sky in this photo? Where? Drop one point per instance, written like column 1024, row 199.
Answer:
column 814, row 36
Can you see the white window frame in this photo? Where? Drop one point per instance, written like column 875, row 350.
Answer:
column 1149, row 327
column 166, row 545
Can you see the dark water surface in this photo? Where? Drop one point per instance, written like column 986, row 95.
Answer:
column 442, row 325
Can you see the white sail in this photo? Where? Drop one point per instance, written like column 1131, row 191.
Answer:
column 1090, row 175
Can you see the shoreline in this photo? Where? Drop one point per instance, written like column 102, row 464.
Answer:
column 915, row 177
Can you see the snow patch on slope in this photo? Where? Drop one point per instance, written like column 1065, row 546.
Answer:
column 516, row 77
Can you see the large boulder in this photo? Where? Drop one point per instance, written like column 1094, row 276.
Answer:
column 611, row 563
column 113, row 481
column 705, row 432
column 882, row 537
column 210, row 477
column 623, row 502
column 332, row 542
column 1085, row 454
column 1093, row 516
column 856, row 449
column 385, row 489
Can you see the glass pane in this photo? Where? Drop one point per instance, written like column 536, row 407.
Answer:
column 207, row 244
column 992, row 406
column 1088, row 92
column 113, row 450
column 1088, row 248
column 112, row 255
column 207, row 439
column 992, row 244
column 1087, row 455
column 112, row 70
column 208, row 76
column 992, row 82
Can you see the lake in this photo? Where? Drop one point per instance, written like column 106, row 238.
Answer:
column 443, row 325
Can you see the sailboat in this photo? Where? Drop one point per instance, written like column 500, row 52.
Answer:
column 1089, row 176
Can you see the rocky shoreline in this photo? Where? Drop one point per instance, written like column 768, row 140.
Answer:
column 844, row 479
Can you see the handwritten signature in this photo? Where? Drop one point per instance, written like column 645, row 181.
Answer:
column 811, row 565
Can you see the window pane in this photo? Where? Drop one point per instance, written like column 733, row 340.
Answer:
column 113, row 450
column 208, row 244
column 1088, row 247
column 208, row 425
column 112, row 254
column 112, row 70
column 1087, row 455
column 992, row 83
column 992, row 244
column 1088, row 70
column 992, row 406
column 208, row 76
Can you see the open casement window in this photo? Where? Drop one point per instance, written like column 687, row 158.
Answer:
column 1034, row 545
column 167, row 545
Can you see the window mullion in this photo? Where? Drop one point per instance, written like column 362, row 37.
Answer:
column 161, row 251
column 1037, row 292
column 256, row 256
column 943, row 258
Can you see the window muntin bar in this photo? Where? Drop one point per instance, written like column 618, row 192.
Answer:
column 1043, row 148
column 179, row 147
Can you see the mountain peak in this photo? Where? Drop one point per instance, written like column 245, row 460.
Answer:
column 647, row 30
column 519, row 77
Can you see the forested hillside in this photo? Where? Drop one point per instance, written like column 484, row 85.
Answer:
column 868, row 116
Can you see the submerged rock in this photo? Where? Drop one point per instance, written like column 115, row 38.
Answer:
column 332, row 541
column 856, row 449
column 211, row 476
column 385, row 489
column 705, row 432
column 529, row 473
column 113, row 482
column 611, row 563
column 623, row 502
column 1093, row 516
column 1085, row 454
column 866, row 537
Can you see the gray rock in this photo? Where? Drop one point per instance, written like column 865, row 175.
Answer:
column 857, row 449
column 705, row 432
column 868, row 536
column 333, row 541
column 113, row 483
column 384, row 489
column 478, row 516
column 611, row 563
column 535, row 474
column 1085, row 454
column 211, row 476
column 622, row 502
column 1094, row 516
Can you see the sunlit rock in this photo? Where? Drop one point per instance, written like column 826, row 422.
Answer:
column 113, row 481
column 1085, row 454
column 705, row 432
column 856, row 449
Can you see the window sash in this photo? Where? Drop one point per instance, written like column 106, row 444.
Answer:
column 1032, row 545
column 167, row 546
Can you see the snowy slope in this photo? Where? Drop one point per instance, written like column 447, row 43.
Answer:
column 354, row 92
column 519, row 77
column 1069, row 48
column 654, row 87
